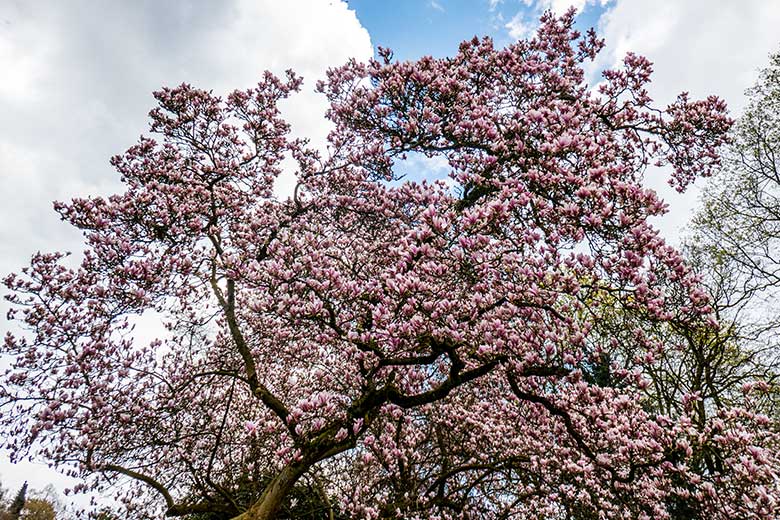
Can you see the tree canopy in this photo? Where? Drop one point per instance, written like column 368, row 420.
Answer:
column 378, row 347
column 30, row 504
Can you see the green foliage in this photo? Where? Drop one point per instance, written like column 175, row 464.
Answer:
column 739, row 224
column 31, row 504
column 735, row 241
column 38, row 509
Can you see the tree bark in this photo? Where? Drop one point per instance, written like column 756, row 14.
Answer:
column 267, row 506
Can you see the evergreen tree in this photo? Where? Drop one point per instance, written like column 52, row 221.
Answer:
column 15, row 509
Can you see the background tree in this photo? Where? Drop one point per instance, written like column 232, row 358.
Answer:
column 16, row 506
column 43, row 504
column 38, row 509
column 706, row 371
column 407, row 349
column 738, row 223
column 741, row 212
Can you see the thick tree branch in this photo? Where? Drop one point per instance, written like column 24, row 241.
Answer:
column 258, row 389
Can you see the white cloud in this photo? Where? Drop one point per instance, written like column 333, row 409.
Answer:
column 525, row 22
column 519, row 28
column 436, row 5
column 77, row 83
column 561, row 6
column 700, row 46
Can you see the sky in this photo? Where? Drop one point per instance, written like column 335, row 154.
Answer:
column 78, row 76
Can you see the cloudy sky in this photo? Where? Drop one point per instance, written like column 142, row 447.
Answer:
column 78, row 76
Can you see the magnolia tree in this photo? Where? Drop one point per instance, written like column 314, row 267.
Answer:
column 378, row 348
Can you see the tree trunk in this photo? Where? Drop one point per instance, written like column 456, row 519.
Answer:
column 270, row 501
